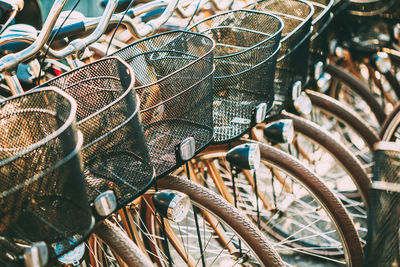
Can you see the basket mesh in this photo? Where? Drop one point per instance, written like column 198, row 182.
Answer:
column 114, row 152
column 319, row 46
column 383, row 240
column 293, row 56
column 174, row 81
column 245, row 57
column 42, row 194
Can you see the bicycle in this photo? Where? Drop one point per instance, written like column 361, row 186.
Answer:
column 103, row 147
column 229, row 131
column 45, row 212
column 264, row 252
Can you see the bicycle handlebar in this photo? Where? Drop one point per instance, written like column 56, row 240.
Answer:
column 100, row 24
column 11, row 61
column 80, row 44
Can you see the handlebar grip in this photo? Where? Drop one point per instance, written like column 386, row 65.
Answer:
column 69, row 30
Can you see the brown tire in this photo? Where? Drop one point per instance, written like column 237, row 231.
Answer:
column 331, row 204
column 342, row 154
column 326, row 197
column 359, row 88
column 120, row 244
column 390, row 125
column 345, row 115
column 219, row 207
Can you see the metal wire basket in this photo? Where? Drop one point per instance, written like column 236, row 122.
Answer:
column 247, row 44
column 367, row 8
column 294, row 54
column 114, row 152
column 383, row 239
column 42, row 194
column 319, row 46
column 174, row 81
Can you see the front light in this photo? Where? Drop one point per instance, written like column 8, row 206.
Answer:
column 246, row 156
column 172, row 205
column 280, row 131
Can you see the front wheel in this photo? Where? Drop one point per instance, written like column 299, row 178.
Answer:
column 225, row 237
column 304, row 220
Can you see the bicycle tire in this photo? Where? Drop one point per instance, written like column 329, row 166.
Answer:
column 326, row 197
column 227, row 213
column 121, row 244
column 316, row 185
column 341, row 153
column 151, row 234
column 345, row 115
column 390, row 125
column 358, row 88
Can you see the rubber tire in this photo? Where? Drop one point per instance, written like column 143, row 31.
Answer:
column 215, row 204
column 390, row 125
column 335, row 207
column 344, row 114
column 121, row 244
column 359, row 88
column 281, row 160
column 341, row 153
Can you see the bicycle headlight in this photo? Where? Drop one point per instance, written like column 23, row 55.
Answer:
column 324, row 82
column 281, row 131
column 318, row 70
column 396, row 31
column 246, row 156
column 259, row 113
column 172, row 205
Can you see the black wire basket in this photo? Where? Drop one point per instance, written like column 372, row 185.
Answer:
column 383, row 239
column 319, row 46
column 368, row 25
column 114, row 152
column 174, row 72
column 247, row 44
column 42, row 193
column 368, row 8
column 293, row 58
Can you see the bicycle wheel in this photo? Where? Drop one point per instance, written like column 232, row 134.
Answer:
column 352, row 92
column 226, row 236
column 107, row 246
column 329, row 158
column 346, row 125
column 304, row 220
column 391, row 128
